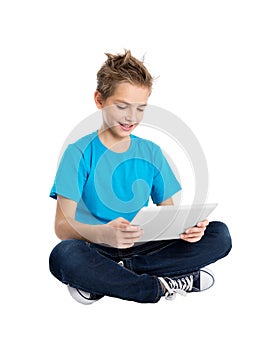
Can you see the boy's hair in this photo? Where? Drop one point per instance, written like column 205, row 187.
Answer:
column 122, row 68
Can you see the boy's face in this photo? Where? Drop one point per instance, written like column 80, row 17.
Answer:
column 123, row 111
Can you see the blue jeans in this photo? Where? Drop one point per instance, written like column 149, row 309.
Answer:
column 95, row 269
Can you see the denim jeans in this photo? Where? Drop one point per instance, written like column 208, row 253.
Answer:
column 95, row 269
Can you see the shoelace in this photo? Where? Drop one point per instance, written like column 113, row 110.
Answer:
column 183, row 285
column 180, row 286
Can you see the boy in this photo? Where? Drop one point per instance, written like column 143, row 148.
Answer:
column 102, row 181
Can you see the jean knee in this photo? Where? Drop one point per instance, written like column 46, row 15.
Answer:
column 60, row 255
column 222, row 234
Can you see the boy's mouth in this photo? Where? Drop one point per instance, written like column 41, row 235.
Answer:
column 126, row 127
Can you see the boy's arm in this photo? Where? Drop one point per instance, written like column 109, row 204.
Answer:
column 168, row 201
column 66, row 227
column 117, row 233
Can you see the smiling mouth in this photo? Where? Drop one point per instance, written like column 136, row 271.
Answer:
column 126, row 127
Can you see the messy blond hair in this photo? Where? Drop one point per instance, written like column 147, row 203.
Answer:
column 122, row 68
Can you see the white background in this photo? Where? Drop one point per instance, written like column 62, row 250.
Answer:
column 210, row 58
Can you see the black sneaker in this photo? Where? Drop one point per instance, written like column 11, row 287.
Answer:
column 195, row 282
column 83, row 297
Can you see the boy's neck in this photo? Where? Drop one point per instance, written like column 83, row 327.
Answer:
column 112, row 142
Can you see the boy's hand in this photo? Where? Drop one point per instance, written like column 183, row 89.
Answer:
column 119, row 233
column 194, row 234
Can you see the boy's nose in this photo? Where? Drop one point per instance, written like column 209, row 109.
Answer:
column 129, row 118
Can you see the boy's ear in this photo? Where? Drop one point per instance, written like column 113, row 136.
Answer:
column 98, row 99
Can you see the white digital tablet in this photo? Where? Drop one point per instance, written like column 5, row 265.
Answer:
column 168, row 222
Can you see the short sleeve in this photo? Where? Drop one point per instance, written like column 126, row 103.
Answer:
column 71, row 174
column 165, row 184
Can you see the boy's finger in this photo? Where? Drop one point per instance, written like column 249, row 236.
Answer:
column 193, row 230
column 203, row 223
column 132, row 234
column 132, row 228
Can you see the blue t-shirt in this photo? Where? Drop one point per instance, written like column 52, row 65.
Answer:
column 107, row 185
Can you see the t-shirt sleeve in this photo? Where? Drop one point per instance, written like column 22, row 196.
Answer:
column 71, row 174
column 165, row 184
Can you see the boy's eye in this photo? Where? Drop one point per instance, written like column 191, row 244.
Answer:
column 121, row 106
column 139, row 109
